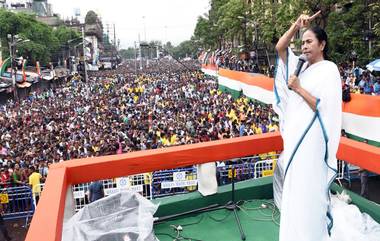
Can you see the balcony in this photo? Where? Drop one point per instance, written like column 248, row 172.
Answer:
column 55, row 203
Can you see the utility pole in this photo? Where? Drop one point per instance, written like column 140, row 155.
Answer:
column 1, row 54
column 109, row 42
column 84, row 55
column 11, row 38
column 144, row 29
column 370, row 37
column 135, row 58
column 114, row 42
column 140, row 54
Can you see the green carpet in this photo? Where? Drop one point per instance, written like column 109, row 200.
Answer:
column 257, row 223
column 220, row 225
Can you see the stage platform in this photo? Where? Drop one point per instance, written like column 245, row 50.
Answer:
column 258, row 223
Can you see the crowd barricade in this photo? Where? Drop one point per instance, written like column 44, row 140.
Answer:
column 246, row 168
column 21, row 201
column 341, row 166
column 352, row 172
column 174, row 181
column 140, row 183
column 17, row 203
column 264, row 168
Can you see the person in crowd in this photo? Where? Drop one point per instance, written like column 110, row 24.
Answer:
column 34, row 183
column 364, row 180
column 376, row 87
column 3, row 228
column 96, row 191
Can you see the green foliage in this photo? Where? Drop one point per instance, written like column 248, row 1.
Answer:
column 44, row 44
column 346, row 22
column 186, row 49
column 348, row 31
column 375, row 10
column 64, row 34
column 127, row 53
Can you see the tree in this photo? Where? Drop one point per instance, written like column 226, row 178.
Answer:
column 350, row 25
column 45, row 44
column 168, row 47
column 187, row 48
column 64, row 34
column 375, row 9
column 348, row 31
column 202, row 32
column 91, row 17
column 127, row 53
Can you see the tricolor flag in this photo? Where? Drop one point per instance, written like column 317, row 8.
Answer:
column 38, row 68
column 23, row 70
column 361, row 116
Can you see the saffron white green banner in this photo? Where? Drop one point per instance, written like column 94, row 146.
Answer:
column 361, row 116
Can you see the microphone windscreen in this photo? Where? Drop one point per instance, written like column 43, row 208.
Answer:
column 303, row 58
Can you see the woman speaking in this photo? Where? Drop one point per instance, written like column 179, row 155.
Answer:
column 310, row 110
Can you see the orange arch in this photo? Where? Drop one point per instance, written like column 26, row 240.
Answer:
column 48, row 218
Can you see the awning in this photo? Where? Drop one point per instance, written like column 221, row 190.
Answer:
column 374, row 65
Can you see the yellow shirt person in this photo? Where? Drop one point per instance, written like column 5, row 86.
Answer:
column 34, row 181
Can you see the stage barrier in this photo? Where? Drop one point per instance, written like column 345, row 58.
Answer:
column 184, row 180
column 17, row 203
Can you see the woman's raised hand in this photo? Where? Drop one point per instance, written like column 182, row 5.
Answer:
column 304, row 20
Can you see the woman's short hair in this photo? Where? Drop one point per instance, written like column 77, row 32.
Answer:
column 321, row 35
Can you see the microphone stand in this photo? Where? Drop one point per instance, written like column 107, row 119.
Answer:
column 231, row 206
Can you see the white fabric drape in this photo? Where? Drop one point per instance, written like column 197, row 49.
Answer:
column 306, row 166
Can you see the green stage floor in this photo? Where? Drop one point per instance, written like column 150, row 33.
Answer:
column 259, row 224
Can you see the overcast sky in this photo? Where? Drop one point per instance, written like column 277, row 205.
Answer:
column 130, row 16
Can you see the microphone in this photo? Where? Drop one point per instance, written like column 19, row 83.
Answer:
column 301, row 60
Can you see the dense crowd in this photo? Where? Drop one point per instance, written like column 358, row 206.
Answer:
column 354, row 79
column 118, row 111
column 359, row 81
column 247, row 61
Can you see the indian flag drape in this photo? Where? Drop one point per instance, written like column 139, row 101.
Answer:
column 361, row 116
column 38, row 68
column 5, row 65
column 23, row 70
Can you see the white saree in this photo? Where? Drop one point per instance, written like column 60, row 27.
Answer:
column 307, row 166
column 310, row 144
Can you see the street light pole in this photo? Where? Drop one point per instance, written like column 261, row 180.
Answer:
column 140, row 54
column 245, row 32
column 144, row 28
column 135, row 58
column 13, row 77
column 84, row 57
column 13, row 41
column 256, row 43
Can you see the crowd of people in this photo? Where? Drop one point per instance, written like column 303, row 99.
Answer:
column 118, row 111
column 354, row 79
column 247, row 61
column 359, row 81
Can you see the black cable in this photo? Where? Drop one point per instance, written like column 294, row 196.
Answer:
column 219, row 220
column 165, row 234
column 188, row 224
column 197, row 222
column 175, row 58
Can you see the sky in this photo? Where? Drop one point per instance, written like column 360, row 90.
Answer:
column 164, row 20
